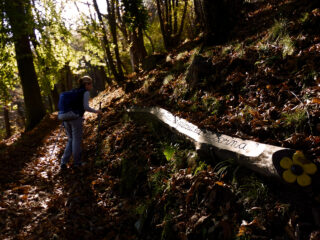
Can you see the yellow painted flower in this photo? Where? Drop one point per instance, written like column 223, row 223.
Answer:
column 298, row 169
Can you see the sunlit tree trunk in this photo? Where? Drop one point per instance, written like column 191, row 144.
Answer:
column 133, row 18
column 137, row 49
column 19, row 22
column 168, row 17
column 118, row 77
column 122, row 26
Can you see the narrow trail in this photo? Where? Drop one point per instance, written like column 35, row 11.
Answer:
column 41, row 203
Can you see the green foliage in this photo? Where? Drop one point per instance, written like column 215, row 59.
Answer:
column 169, row 151
column 8, row 70
column 54, row 50
column 60, row 49
column 135, row 14
column 212, row 104
column 8, row 65
column 252, row 190
column 304, row 17
column 227, row 169
column 278, row 30
column 200, row 167
column 279, row 34
column 296, row 119
column 157, row 182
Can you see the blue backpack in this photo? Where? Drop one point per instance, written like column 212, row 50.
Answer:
column 71, row 104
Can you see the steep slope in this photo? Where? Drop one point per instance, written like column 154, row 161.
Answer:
column 142, row 183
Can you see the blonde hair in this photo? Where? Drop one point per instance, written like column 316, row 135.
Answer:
column 83, row 80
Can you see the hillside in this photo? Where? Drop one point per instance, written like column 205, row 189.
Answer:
column 262, row 85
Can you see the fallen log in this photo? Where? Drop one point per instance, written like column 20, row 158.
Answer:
column 286, row 165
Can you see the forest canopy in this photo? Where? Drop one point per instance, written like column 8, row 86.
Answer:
column 46, row 44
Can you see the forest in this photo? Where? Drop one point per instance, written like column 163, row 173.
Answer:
column 209, row 128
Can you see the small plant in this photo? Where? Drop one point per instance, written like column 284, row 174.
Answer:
column 228, row 167
column 304, row 18
column 296, row 119
column 278, row 30
column 212, row 104
column 253, row 190
column 156, row 182
column 169, row 151
column 279, row 34
column 239, row 50
column 180, row 89
column 246, row 113
column 287, row 45
column 200, row 167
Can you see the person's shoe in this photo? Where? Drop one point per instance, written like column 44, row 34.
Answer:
column 79, row 165
column 63, row 168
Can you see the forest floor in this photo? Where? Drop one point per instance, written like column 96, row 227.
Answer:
column 263, row 85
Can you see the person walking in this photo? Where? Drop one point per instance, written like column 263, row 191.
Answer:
column 74, row 126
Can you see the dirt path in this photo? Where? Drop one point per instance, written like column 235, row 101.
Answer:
column 38, row 202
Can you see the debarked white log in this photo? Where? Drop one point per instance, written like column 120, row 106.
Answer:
column 253, row 155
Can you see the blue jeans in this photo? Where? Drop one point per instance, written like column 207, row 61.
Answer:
column 74, row 133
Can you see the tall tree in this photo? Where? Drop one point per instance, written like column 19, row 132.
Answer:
column 106, row 44
column 135, row 16
column 20, row 22
column 113, row 29
column 169, row 23
column 216, row 18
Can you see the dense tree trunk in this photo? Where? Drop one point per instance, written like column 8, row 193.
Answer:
column 168, row 17
column 55, row 96
column 137, row 49
column 216, row 18
column 133, row 36
column 122, row 26
column 6, row 121
column 113, row 29
column 18, row 20
column 106, row 43
column 150, row 40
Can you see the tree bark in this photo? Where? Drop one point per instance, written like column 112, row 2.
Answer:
column 55, row 96
column 216, row 18
column 113, row 29
column 18, row 20
column 106, row 46
column 168, row 17
column 137, row 49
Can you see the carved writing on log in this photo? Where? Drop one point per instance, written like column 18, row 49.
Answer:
column 221, row 139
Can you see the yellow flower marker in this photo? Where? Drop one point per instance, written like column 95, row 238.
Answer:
column 297, row 169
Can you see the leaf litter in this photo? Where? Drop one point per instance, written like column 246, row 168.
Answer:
column 128, row 190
